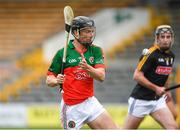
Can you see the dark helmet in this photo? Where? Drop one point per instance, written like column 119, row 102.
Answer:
column 79, row 23
column 164, row 29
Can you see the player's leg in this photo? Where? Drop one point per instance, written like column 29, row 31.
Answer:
column 170, row 103
column 103, row 121
column 172, row 108
column 137, row 110
column 132, row 122
column 163, row 115
column 165, row 118
column 99, row 117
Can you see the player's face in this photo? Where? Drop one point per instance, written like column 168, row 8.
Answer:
column 164, row 40
column 87, row 34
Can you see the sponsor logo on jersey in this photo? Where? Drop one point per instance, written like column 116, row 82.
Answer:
column 81, row 75
column 160, row 59
column 72, row 60
column 163, row 70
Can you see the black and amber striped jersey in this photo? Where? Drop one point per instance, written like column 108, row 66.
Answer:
column 156, row 66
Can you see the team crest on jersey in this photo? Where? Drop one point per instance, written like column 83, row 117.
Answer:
column 71, row 124
column 91, row 60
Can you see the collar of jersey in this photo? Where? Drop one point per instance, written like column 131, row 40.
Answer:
column 156, row 46
column 71, row 45
column 160, row 49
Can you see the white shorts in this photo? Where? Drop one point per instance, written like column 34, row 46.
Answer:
column 141, row 108
column 73, row 117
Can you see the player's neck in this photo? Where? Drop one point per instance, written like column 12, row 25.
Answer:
column 79, row 47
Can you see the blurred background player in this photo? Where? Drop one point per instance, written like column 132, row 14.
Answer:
column 149, row 96
column 85, row 62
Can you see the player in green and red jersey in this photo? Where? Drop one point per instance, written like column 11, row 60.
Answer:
column 149, row 96
column 84, row 62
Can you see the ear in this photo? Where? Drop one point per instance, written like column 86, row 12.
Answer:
column 75, row 32
column 157, row 38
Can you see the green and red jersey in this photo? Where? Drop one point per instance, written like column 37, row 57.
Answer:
column 78, row 84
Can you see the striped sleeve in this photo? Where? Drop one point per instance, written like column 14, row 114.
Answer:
column 146, row 61
column 56, row 63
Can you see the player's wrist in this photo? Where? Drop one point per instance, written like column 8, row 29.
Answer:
column 89, row 68
column 51, row 81
column 155, row 87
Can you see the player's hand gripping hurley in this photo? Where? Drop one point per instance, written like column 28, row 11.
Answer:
column 68, row 17
column 170, row 88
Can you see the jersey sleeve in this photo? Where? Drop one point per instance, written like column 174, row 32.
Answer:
column 146, row 62
column 55, row 67
column 99, row 58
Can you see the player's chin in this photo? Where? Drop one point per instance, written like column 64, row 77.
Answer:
column 165, row 48
column 88, row 40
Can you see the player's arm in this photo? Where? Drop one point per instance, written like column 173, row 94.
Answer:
column 52, row 80
column 96, row 73
column 53, row 77
column 98, row 70
column 141, row 79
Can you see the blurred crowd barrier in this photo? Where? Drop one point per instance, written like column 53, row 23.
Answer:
column 29, row 116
